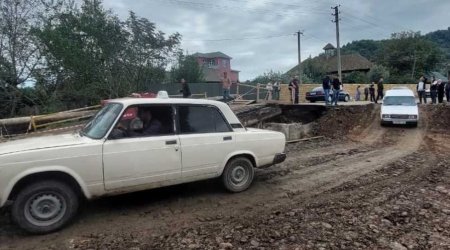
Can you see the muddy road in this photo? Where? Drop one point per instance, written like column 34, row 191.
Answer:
column 364, row 186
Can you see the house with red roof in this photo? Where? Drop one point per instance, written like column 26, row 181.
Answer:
column 214, row 64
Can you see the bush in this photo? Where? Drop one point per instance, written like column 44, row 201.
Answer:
column 378, row 71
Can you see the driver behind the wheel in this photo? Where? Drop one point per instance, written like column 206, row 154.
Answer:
column 151, row 126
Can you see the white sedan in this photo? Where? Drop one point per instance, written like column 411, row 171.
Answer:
column 130, row 145
column 399, row 107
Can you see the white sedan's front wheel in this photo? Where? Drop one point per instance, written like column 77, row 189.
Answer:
column 44, row 206
column 238, row 174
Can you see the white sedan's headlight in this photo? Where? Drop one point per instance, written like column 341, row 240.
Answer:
column 412, row 117
column 386, row 116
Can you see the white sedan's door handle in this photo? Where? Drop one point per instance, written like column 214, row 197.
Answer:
column 171, row 142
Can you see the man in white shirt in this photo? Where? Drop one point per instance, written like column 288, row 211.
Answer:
column 421, row 90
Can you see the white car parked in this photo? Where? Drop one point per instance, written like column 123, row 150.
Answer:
column 130, row 145
column 399, row 107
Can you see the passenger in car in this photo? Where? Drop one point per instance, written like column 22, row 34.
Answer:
column 151, row 126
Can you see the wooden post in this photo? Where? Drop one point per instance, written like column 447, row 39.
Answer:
column 257, row 92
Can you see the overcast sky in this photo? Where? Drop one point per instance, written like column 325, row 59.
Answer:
column 259, row 34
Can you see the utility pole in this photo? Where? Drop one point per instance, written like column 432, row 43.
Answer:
column 299, row 33
column 336, row 20
column 414, row 65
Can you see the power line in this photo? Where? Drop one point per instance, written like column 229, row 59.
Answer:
column 237, row 39
column 225, row 7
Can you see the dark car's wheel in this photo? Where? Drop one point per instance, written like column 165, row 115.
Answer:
column 312, row 101
column 346, row 98
column 44, row 207
column 238, row 174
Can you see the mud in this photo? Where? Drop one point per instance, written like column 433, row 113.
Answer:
column 363, row 186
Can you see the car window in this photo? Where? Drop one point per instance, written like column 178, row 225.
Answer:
column 99, row 125
column 317, row 89
column 201, row 119
column 399, row 101
column 144, row 121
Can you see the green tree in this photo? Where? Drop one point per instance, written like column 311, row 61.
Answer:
column 187, row 68
column 91, row 54
column 355, row 77
column 19, row 53
column 377, row 72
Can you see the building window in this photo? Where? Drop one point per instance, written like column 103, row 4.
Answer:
column 212, row 62
column 225, row 62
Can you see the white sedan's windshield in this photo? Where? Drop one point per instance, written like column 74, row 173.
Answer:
column 399, row 101
column 98, row 126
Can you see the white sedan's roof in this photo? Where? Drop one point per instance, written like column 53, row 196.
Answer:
column 226, row 110
column 131, row 101
column 399, row 92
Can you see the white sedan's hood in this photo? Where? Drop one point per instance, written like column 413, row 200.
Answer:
column 399, row 110
column 41, row 142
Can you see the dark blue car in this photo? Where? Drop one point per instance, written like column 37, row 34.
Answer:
column 317, row 94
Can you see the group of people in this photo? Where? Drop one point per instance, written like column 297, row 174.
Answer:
column 273, row 90
column 437, row 90
column 369, row 91
column 331, row 84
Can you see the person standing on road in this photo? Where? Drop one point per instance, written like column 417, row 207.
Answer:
column 372, row 92
column 358, row 93
column 433, row 90
column 336, row 89
column 276, row 90
column 421, row 90
column 226, row 86
column 269, row 88
column 447, row 91
column 440, row 91
column 293, row 88
column 366, row 93
column 380, row 89
column 185, row 90
column 326, row 85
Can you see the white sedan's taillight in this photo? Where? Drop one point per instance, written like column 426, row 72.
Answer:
column 386, row 116
column 413, row 117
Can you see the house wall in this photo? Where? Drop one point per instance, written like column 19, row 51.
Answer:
column 349, row 87
column 222, row 65
column 234, row 76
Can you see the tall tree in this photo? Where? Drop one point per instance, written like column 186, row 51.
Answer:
column 19, row 53
column 187, row 68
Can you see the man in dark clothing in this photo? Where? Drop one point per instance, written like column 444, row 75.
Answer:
column 293, row 88
column 336, row 89
column 380, row 89
column 326, row 85
column 433, row 90
column 185, row 89
column 372, row 92
column 447, row 91
column 440, row 91
column 366, row 93
column 151, row 126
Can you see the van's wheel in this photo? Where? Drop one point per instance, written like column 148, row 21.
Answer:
column 238, row 174
column 44, row 207
column 346, row 98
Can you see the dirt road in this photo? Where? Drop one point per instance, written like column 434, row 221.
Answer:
column 372, row 187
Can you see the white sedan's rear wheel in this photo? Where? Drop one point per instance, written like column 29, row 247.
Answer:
column 238, row 174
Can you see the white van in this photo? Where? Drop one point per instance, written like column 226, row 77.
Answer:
column 399, row 107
